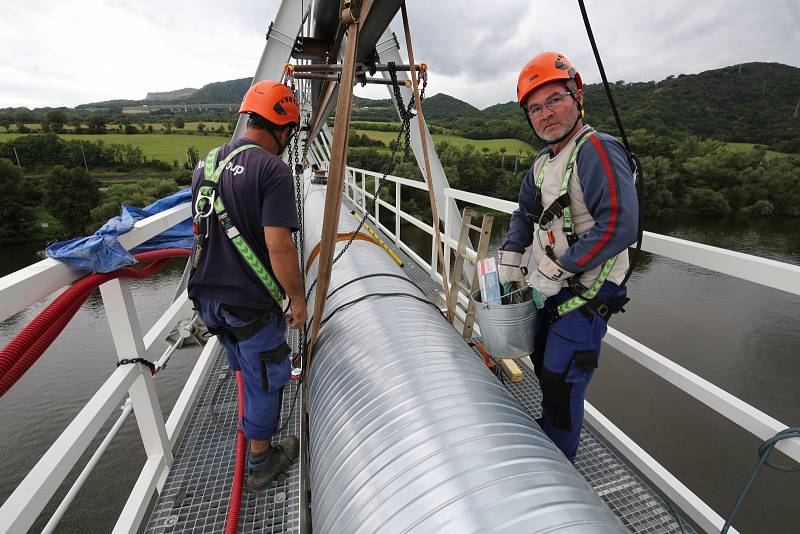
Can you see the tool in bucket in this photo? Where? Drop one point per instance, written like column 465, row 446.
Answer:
column 507, row 329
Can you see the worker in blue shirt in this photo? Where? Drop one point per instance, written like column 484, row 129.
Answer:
column 238, row 293
column 578, row 211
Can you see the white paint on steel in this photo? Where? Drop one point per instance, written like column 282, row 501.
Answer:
column 762, row 271
column 132, row 513
column 128, row 340
column 31, row 496
column 87, row 470
column 278, row 49
column 749, row 418
column 22, row 288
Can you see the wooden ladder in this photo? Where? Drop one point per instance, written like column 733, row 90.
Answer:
column 509, row 367
column 457, row 285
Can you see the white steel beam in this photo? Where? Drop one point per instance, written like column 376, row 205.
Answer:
column 31, row 496
column 127, row 336
column 280, row 40
column 749, row 418
column 139, row 499
column 22, row 288
column 762, row 271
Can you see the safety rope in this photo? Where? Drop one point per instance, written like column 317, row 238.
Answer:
column 639, row 172
column 764, row 450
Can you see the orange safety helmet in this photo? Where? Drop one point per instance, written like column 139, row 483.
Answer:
column 545, row 68
column 272, row 101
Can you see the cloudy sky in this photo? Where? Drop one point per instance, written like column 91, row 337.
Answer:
column 56, row 53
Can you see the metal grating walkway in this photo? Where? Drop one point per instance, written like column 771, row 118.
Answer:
column 627, row 495
column 196, row 495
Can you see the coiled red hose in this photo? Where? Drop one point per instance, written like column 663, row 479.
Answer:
column 235, row 504
column 29, row 344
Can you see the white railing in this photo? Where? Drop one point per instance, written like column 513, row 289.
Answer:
column 27, row 286
column 767, row 272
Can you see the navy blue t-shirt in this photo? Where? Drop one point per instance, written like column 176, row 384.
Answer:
column 257, row 190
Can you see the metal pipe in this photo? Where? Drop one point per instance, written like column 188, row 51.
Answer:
column 409, row 432
column 336, row 67
column 335, row 78
column 87, row 470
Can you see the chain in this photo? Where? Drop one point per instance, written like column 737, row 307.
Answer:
column 404, row 133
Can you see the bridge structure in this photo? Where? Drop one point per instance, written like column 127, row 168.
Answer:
column 630, row 489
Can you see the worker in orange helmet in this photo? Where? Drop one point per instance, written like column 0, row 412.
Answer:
column 244, row 263
column 578, row 211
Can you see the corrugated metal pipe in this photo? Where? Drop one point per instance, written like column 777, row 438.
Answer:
column 409, row 431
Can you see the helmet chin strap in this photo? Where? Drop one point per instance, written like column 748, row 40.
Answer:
column 281, row 146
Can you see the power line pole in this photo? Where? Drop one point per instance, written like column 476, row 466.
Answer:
column 84, row 156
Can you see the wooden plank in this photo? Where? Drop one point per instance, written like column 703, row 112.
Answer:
column 336, row 174
column 511, row 369
column 458, row 266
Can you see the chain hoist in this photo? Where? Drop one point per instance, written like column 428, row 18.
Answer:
column 404, row 133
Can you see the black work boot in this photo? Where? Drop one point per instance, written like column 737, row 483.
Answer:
column 279, row 458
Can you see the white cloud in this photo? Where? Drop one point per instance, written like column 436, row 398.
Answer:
column 57, row 53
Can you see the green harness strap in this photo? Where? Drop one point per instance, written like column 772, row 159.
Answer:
column 579, row 300
column 208, row 191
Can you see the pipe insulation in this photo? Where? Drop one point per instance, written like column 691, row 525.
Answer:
column 409, row 431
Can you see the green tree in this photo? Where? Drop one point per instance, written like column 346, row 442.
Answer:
column 179, row 123
column 97, row 124
column 17, row 215
column 6, row 122
column 56, row 119
column 201, row 128
column 70, row 196
column 77, row 124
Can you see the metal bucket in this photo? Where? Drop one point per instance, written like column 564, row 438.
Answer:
column 507, row 330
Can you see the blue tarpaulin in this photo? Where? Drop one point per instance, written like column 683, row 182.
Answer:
column 102, row 252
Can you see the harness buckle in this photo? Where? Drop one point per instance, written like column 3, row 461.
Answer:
column 204, row 210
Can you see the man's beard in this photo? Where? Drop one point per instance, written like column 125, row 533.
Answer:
column 558, row 133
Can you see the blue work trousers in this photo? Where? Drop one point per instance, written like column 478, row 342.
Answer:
column 565, row 356
column 263, row 380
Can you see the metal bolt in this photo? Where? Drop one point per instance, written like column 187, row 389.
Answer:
column 171, row 521
column 280, row 497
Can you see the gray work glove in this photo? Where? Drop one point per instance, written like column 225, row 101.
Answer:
column 549, row 277
column 508, row 267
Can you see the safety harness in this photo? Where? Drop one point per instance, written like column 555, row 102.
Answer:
column 561, row 207
column 209, row 199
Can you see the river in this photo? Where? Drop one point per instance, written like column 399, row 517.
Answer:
column 739, row 335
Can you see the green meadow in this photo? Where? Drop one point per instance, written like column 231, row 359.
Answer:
column 163, row 147
column 513, row 146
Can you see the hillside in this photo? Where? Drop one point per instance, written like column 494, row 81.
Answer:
column 752, row 103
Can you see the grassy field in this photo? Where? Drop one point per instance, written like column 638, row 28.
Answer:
column 514, row 146
column 164, row 147
column 157, row 126
column 742, row 147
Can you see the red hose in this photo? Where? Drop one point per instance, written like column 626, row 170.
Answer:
column 235, row 505
column 29, row 344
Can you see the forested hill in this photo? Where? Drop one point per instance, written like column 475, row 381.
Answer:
column 753, row 102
